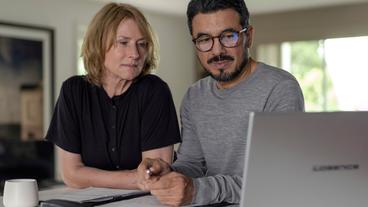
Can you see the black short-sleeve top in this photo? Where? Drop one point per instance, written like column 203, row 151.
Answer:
column 111, row 133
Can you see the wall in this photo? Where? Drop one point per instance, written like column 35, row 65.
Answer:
column 177, row 58
column 311, row 24
column 66, row 17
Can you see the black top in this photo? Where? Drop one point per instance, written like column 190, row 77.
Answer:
column 111, row 133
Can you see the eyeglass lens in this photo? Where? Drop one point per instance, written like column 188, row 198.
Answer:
column 228, row 39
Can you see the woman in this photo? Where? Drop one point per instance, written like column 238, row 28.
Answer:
column 104, row 123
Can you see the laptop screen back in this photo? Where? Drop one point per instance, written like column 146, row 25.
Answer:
column 306, row 159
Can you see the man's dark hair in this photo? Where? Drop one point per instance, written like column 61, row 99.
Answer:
column 207, row 6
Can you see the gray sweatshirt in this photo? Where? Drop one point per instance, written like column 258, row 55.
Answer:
column 214, row 127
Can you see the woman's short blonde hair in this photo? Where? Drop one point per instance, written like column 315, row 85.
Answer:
column 101, row 36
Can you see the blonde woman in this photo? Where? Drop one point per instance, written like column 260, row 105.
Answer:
column 107, row 121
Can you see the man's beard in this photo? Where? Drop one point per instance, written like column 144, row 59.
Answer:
column 224, row 76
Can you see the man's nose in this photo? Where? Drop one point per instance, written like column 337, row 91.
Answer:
column 217, row 48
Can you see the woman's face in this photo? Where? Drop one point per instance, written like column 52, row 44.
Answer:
column 126, row 58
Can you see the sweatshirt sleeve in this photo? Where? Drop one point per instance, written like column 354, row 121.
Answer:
column 217, row 189
column 191, row 162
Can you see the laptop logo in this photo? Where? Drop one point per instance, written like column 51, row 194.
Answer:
column 322, row 168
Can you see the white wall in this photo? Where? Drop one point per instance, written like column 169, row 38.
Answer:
column 178, row 61
column 66, row 17
column 311, row 24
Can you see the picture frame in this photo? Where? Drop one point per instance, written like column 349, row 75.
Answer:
column 27, row 80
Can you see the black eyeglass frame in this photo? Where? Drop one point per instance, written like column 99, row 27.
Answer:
column 194, row 40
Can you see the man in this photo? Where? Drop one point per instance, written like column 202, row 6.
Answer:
column 214, row 111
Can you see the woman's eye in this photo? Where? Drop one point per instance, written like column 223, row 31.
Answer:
column 124, row 43
column 142, row 44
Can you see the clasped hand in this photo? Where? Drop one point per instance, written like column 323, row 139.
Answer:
column 169, row 187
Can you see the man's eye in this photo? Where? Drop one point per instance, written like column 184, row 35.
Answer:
column 201, row 40
column 229, row 35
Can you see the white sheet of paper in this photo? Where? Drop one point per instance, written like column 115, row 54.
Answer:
column 89, row 193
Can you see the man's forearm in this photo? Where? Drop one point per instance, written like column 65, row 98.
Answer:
column 217, row 189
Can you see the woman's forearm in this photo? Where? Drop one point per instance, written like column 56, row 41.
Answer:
column 83, row 177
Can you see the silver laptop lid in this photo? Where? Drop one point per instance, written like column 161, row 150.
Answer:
column 306, row 159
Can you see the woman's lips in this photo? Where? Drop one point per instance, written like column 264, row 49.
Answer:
column 129, row 65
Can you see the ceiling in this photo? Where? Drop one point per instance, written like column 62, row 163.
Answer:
column 178, row 7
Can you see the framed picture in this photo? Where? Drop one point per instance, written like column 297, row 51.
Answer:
column 26, row 80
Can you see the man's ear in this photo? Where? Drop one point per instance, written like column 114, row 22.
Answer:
column 249, row 35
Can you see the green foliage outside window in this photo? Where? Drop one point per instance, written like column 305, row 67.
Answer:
column 308, row 66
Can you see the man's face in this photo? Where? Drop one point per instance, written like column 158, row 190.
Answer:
column 224, row 64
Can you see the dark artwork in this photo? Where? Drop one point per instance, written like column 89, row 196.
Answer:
column 15, row 52
column 21, row 69
column 20, row 66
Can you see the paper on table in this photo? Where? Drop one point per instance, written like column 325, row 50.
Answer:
column 77, row 194
column 89, row 193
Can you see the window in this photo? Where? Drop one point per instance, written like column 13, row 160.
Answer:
column 80, row 35
column 80, row 68
column 331, row 72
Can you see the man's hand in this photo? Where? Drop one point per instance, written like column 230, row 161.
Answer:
column 150, row 170
column 173, row 189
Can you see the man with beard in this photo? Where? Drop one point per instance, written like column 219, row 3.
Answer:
column 214, row 111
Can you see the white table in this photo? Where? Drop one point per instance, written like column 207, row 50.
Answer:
column 63, row 192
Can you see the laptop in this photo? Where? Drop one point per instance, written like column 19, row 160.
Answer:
column 306, row 160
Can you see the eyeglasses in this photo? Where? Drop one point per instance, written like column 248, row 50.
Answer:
column 229, row 39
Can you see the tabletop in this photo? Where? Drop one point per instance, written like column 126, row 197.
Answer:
column 63, row 192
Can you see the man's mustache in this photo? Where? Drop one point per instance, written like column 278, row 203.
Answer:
column 219, row 58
